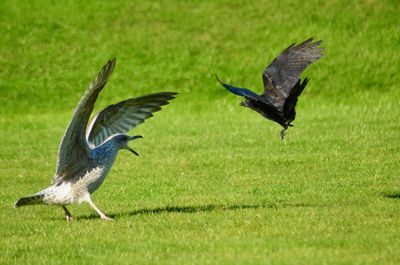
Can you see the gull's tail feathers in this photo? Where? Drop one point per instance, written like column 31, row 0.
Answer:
column 34, row 199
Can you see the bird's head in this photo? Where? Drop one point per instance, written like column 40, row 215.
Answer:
column 245, row 103
column 122, row 141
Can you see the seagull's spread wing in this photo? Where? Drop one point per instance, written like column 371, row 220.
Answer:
column 125, row 115
column 74, row 148
column 284, row 72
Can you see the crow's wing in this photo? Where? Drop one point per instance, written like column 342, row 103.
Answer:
column 290, row 103
column 74, row 149
column 124, row 116
column 284, row 72
column 244, row 92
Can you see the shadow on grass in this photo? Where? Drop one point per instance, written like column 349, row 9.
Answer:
column 392, row 195
column 199, row 208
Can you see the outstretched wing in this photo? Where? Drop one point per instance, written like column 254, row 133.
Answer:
column 290, row 103
column 125, row 115
column 284, row 72
column 244, row 92
column 74, row 148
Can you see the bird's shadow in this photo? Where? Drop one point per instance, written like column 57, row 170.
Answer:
column 392, row 195
column 197, row 209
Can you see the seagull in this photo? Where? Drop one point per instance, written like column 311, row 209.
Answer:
column 282, row 84
column 87, row 152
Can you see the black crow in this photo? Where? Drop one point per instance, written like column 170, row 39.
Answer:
column 282, row 84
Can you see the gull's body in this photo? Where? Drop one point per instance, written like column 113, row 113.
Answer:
column 87, row 152
column 282, row 84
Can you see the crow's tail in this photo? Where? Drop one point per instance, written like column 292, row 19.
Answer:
column 35, row 199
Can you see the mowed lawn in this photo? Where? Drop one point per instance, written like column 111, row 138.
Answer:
column 214, row 184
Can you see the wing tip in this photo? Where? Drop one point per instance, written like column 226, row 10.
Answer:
column 104, row 74
column 309, row 42
column 111, row 65
column 111, row 61
column 216, row 77
column 223, row 84
column 313, row 47
column 305, row 82
column 165, row 96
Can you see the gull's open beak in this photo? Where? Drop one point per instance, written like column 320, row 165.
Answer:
column 133, row 138
column 133, row 151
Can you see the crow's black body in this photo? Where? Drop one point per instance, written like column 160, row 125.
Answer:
column 282, row 84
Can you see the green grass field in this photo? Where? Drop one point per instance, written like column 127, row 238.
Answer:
column 214, row 184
